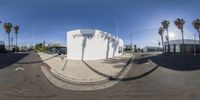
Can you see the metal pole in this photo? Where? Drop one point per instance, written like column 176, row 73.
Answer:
column 44, row 46
column 131, row 41
column 194, row 44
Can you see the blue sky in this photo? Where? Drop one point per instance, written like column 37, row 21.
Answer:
column 49, row 20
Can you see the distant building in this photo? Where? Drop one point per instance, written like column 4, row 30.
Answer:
column 176, row 46
column 57, row 50
column 152, row 49
column 23, row 48
column 128, row 47
column 31, row 47
column 54, row 44
column 12, row 47
column 135, row 48
column 2, row 46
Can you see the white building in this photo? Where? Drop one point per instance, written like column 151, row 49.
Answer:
column 176, row 46
column 152, row 49
column 90, row 44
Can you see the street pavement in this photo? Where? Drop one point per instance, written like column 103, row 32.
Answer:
column 146, row 80
column 87, row 71
column 85, row 75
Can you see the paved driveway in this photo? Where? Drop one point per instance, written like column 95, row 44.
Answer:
column 146, row 80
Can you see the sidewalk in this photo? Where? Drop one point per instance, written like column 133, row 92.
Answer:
column 84, row 72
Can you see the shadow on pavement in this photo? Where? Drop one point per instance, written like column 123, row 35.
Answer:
column 172, row 61
column 96, row 71
column 7, row 59
column 136, row 77
column 122, row 79
column 37, row 61
column 119, row 62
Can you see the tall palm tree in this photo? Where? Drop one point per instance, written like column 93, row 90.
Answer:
column 16, row 29
column 196, row 24
column 7, row 28
column 179, row 23
column 160, row 32
column 165, row 24
column 0, row 22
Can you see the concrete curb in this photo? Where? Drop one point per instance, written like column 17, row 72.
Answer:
column 67, row 84
column 73, row 81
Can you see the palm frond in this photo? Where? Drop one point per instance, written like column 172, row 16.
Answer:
column 165, row 24
column 196, row 24
column 179, row 23
column 16, row 29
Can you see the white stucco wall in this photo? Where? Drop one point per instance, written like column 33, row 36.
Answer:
column 96, row 46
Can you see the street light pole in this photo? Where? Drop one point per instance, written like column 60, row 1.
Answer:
column 131, row 41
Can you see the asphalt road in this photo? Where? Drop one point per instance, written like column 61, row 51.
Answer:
column 150, row 78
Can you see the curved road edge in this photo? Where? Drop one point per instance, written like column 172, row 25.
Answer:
column 85, row 87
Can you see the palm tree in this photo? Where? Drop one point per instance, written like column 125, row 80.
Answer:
column 16, row 29
column 165, row 24
column 7, row 28
column 160, row 32
column 179, row 23
column 0, row 21
column 196, row 24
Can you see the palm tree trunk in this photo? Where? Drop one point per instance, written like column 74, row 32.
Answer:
column 162, row 41
column 183, row 40
column 199, row 35
column 168, row 40
column 8, row 41
column 16, row 40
